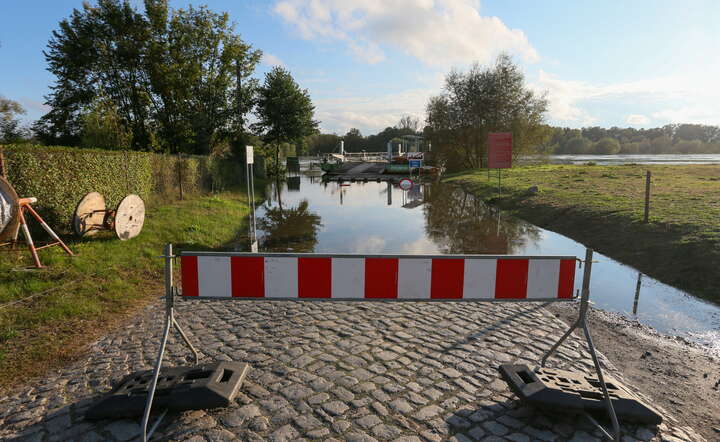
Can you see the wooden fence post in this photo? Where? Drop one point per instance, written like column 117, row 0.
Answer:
column 180, row 175
column 647, row 197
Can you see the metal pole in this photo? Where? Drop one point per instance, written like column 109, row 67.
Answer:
column 606, row 395
column 647, row 197
column 47, row 228
column 169, row 319
column 28, row 238
column 583, row 306
column 499, row 170
column 582, row 321
column 585, row 294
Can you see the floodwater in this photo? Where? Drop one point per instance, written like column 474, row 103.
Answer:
column 303, row 214
column 629, row 159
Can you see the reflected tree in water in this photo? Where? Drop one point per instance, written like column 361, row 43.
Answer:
column 291, row 229
column 459, row 222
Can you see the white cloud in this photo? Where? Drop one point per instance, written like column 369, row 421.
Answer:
column 437, row 32
column 637, row 119
column 696, row 92
column 370, row 114
column 271, row 60
column 698, row 114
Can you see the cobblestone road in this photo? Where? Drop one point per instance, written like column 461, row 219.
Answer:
column 329, row 371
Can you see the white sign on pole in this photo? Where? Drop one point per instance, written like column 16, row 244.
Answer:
column 248, row 155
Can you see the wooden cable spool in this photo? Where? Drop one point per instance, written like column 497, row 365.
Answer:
column 92, row 215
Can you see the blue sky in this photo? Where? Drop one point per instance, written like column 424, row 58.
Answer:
column 366, row 63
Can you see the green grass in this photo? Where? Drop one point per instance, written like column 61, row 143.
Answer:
column 603, row 206
column 47, row 316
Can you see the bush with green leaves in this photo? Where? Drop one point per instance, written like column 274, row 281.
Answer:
column 59, row 176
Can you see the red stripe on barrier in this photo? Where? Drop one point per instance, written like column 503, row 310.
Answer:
column 566, row 282
column 381, row 278
column 314, row 277
column 511, row 278
column 248, row 277
column 448, row 277
column 189, row 275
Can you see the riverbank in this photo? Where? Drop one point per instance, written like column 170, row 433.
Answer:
column 678, row 376
column 47, row 317
column 602, row 207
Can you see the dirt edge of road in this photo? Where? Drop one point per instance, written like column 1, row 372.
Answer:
column 677, row 375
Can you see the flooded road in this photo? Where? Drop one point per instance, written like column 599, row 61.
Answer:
column 304, row 214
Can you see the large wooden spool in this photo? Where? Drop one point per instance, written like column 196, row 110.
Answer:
column 92, row 216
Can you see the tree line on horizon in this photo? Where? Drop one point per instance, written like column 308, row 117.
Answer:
column 668, row 139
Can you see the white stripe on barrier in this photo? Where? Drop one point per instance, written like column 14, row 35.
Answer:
column 414, row 278
column 479, row 278
column 543, row 276
column 281, row 277
column 348, row 277
column 214, row 277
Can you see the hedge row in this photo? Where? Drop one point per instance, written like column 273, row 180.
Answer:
column 59, row 176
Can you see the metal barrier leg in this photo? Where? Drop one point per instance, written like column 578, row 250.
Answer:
column 559, row 342
column 169, row 321
column 187, row 341
column 606, row 395
column 582, row 322
column 584, row 299
column 153, row 384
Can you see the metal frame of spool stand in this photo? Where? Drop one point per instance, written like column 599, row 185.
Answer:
column 170, row 322
column 25, row 205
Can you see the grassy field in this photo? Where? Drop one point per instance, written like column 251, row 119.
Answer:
column 603, row 207
column 48, row 316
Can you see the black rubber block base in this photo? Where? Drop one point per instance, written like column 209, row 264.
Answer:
column 196, row 387
column 569, row 392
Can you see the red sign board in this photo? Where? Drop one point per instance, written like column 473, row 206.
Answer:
column 500, row 150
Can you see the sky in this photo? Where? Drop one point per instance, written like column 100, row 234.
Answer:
column 366, row 63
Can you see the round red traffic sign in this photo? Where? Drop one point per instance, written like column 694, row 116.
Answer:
column 406, row 184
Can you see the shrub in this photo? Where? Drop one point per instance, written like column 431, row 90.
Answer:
column 59, row 176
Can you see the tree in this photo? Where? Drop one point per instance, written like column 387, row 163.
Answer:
column 661, row 144
column 10, row 129
column 353, row 140
column 481, row 101
column 199, row 72
column 103, row 128
column 323, row 143
column 176, row 76
column 408, row 122
column 606, row 146
column 576, row 145
column 285, row 112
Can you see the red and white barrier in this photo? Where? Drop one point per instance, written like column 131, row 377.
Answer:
column 384, row 277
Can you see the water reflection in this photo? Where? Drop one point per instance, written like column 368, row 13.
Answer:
column 286, row 228
column 637, row 294
column 460, row 223
column 369, row 218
